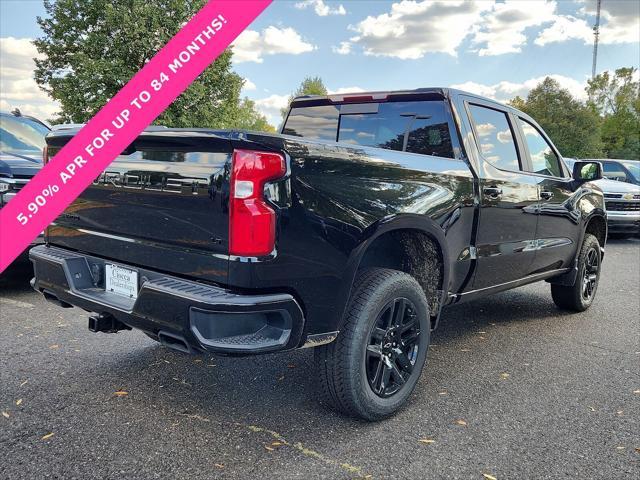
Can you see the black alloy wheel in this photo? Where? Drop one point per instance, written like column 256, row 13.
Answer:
column 393, row 347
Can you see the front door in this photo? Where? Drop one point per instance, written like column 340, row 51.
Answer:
column 559, row 217
column 505, row 242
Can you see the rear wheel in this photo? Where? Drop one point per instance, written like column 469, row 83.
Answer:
column 579, row 297
column 370, row 370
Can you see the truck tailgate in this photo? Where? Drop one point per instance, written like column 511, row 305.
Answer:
column 162, row 205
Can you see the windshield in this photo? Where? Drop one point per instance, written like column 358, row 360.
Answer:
column 20, row 134
column 633, row 167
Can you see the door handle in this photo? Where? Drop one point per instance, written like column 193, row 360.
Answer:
column 492, row 192
column 546, row 195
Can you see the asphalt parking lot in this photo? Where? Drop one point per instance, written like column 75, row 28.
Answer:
column 513, row 389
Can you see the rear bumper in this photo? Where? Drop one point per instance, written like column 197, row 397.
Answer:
column 206, row 317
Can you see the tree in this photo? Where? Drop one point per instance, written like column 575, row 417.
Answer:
column 572, row 126
column 309, row 86
column 92, row 48
column 616, row 98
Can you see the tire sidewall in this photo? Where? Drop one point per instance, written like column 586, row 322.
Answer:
column 399, row 286
column 589, row 242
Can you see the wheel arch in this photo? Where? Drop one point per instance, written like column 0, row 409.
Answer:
column 417, row 237
column 596, row 225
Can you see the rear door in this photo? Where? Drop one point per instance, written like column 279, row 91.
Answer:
column 558, row 222
column 505, row 242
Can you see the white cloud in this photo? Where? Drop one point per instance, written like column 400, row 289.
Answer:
column 270, row 107
column 505, row 91
column 487, row 147
column 485, row 129
column 504, row 136
column 321, row 8
column 502, row 29
column 412, row 29
column 618, row 24
column 17, row 85
column 619, row 20
column 248, row 85
column 343, row 90
column 251, row 46
column 343, row 49
column 565, row 28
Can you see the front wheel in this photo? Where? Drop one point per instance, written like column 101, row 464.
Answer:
column 579, row 296
column 371, row 369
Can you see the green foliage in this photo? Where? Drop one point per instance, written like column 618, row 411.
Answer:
column 309, row 86
column 616, row 98
column 92, row 48
column 572, row 126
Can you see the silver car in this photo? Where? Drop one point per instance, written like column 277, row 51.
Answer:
column 622, row 200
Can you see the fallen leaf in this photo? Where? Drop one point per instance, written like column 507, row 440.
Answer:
column 120, row 393
column 461, row 422
column 276, row 444
column 54, row 346
column 489, row 477
column 637, row 449
column 5, row 414
column 427, row 440
column 19, row 402
column 267, row 447
column 504, row 375
column 219, row 465
column 620, row 412
column 48, row 435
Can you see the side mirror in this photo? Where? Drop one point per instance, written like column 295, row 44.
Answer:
column 587, row 171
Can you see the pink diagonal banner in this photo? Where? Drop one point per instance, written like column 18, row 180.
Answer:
column 121, row 120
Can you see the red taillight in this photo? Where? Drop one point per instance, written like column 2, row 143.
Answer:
column 45, row 154
column 252, row 222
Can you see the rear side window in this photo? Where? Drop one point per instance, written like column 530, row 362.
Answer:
column 316, row 123
column 543, row 159
column 417, row 127
column 495, row 137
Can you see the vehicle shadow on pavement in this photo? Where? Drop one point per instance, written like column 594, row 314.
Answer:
column 16, row 278
column 280, row 389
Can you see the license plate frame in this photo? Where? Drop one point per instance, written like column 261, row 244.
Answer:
column 121, row 281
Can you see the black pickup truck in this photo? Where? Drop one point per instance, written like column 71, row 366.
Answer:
column 348, row 232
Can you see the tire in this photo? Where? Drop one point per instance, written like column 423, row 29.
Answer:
column 364, row 373
column 579, row 297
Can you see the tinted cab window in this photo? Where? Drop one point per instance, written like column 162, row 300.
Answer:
column 543, row 159
column 417, row 127
column 495, row 137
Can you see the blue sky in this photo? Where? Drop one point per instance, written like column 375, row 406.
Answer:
column 491, row 47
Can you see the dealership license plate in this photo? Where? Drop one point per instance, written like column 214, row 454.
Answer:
column 122, row 281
